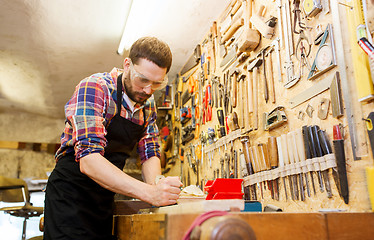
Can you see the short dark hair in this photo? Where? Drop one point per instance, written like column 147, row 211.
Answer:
column 153, row 50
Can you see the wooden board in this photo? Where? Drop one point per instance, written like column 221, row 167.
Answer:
column 274, row 226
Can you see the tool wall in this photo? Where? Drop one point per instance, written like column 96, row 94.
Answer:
column 279, row 93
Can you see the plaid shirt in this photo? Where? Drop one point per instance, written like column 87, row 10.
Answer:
column 89, row 112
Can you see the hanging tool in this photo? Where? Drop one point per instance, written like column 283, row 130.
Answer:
column 313, row 150
column 275, row 118
column 323, row 108
column 264, row 158
column 232, row 29
column 280, row 22
column 265, row 82
column 301, row 153
column 244, row 101
column 256, row 161
column 245, row 141
column 298, row 160
column 250, row 38
column 270, row 72
column 286, row 164
column 286, row 15
column 336, row 97
column 258, row 21
column 193, row 60
column 234, row 72
column 308, row 154
column 281, row 164
column 303, row 48
column 325, row 57
column 254, row 66
column 243, row 164
column 275, row 45
column 319, row 152
column 369, row 126
column 289, row 66
column 291, row 157
column 358, row 149
column 312, row 7
column 274, row 162
column 339, row 152
column 309, row 93
column 297, row 18
column 208, row 99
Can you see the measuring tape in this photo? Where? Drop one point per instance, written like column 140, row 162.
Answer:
column 312, row 7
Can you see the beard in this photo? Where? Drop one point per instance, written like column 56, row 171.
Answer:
column 138, row 97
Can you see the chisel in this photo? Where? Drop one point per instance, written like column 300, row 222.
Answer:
column 250, row 167
column 287, row 162
column 255, row 158
column 308, row 154
column 313, row 151
column 319, row 151
column 291, row 157
column 340, row 162
column 281, row 163
column 264, row 158
column 273, row 158
column 301, row 153
column 297, row 159
column 326, row 148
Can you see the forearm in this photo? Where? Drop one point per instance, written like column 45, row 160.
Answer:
column 112, row 178
column 150, row 169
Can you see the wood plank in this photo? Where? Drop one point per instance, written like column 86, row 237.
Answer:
column 274, row 226
column 265, row 225
column 203, row 206
column 349, row 226
column 287, row 225
column 178, row 224
column 140, row 227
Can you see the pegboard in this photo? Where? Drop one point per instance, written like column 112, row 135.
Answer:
column 275, row 81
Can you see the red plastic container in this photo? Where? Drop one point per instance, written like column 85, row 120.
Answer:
column 224, row 188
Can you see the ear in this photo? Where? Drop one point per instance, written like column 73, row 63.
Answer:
column 126, row 64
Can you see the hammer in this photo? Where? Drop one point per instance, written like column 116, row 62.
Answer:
column 254, row 66
column 234, row 72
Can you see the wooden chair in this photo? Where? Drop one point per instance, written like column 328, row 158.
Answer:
column 16, row 190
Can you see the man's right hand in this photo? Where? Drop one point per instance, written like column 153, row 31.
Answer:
column 166, row 191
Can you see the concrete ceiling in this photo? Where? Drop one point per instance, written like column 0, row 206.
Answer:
column 47, row 47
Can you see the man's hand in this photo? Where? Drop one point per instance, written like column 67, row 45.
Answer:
column 166, row 191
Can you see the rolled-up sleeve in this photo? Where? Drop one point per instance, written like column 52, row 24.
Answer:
column 149, row 145
column 84, row 112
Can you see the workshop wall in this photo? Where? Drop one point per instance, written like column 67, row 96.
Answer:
column 32, row 132
column 247, row 98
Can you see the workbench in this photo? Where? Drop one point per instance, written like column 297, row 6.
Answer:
column 277, row 225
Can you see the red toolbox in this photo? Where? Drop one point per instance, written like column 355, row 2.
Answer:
column 224, row 188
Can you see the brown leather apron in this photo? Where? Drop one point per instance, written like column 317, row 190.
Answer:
column 76, row 207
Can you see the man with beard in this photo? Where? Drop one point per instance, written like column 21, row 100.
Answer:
column 107, row 116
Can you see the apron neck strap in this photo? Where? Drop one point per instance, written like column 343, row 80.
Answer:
column 119, row 93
